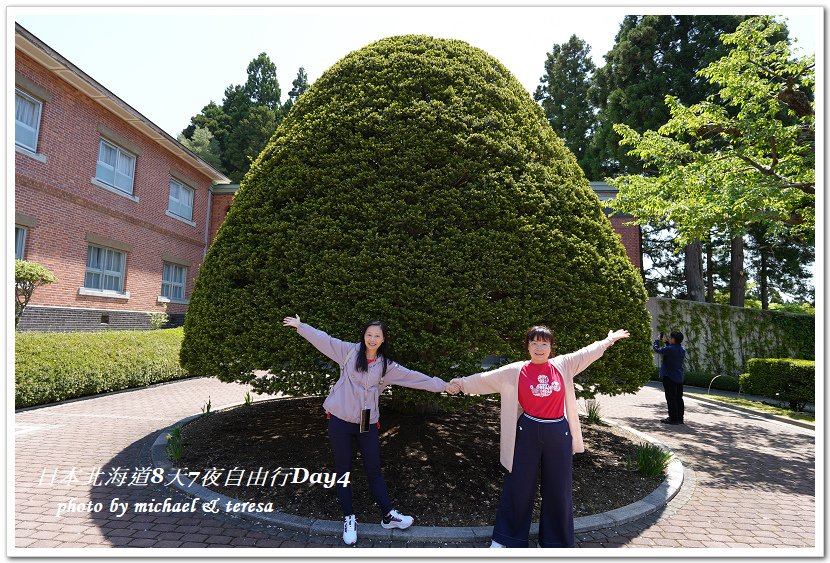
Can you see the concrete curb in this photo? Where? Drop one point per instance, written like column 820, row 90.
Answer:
column 430, row 534
column 762, row 414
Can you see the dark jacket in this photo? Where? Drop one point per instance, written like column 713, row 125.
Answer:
column 673, row 356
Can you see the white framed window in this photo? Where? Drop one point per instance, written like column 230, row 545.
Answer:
column 116, row 167
column 27, row 112
column 173, row 281
column 105, row 269
column 19, row 241
column 181, row 200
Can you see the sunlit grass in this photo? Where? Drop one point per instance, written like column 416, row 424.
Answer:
column 759, row 406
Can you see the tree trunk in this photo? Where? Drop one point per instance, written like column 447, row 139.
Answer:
column 763, row 275
column 693, row 267
column 737, row 275
column 710, row 275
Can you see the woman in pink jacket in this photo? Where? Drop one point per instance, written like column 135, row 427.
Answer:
column 539, row 425
column 352, row 408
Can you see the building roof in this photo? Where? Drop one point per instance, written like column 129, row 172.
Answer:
column 57, row 64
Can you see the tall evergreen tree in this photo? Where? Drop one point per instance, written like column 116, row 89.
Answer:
column 262, row 86
column 245, row 121
column 563, row 93
column 298, row 86
column 654, row 56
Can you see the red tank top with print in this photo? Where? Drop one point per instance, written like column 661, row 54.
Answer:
column 542, row 390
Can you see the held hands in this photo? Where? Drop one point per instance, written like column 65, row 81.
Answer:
column 293, row 322
column 615, row 335
column 453, row 387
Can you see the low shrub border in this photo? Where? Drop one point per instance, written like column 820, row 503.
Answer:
column 51, row 367
column 785, row 379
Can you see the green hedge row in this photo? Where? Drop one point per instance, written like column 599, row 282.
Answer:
column 53, row 367
column 785, row 379
column 703, row 379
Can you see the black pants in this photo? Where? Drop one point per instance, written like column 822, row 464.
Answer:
column 674, row 399
column 341, row 435
column 546, row 444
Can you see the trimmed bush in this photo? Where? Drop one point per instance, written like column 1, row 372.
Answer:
column 416, row 182
column 28, row 276
column 53, row 367
column 785, row 379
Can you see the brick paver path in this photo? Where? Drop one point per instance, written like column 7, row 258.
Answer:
column 750, row 481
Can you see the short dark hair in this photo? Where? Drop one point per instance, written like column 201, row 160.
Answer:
column 540, row 332
column 677, row 335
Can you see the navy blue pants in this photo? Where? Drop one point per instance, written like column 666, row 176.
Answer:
column 341, row 434
column 547, row 443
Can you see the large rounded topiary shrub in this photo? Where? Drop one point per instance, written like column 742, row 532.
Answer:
column 416, row 182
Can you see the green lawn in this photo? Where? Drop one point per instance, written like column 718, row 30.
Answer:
column 759, row 406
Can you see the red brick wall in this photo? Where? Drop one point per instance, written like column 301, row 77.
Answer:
column 67, row 206
column 219, row 208
column 630, row 238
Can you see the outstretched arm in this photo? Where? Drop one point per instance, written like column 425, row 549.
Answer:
column 396, row 374
column 328, row 345
column 575, row 362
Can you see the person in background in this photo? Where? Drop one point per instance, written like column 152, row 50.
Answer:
column 539, row 427
column 671, row 372
column 366, row 369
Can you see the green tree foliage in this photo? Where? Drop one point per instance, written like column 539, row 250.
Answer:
column 28, row 276
column 743, row 156
column 415, row 182
column 262, row 86
column 214, row 119
column 780, row 265
column 298, row 86
column 654, row 56
column 563, row 93
column 245, row 121
column 204, row 145
column 247, row 139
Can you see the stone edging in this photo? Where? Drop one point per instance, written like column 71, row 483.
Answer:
column 432, row 534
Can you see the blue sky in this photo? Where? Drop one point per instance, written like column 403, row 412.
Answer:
column 169, row 63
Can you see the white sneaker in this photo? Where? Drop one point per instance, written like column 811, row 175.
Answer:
column 494, row 543
column 396, row 520
column 349, row 530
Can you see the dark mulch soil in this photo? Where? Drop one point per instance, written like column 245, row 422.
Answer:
column 441, row 468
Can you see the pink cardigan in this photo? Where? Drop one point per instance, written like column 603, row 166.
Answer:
column 505, row 380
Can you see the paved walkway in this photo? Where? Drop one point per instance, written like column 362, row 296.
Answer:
column 750, row 481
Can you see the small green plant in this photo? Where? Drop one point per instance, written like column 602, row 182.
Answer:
column 158, row 320
column 650, row 460
column 592, row 411
column 206, row 407
column 248, row 399
column 175, row 448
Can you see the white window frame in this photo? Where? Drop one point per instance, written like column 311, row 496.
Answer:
column 120, row 154
column 103, row 272
column 176, row 207
column 170, row 283
column 36, row 129
column 20, row 243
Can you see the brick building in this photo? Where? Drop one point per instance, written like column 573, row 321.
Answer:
column 632, row 236
column 115, row 207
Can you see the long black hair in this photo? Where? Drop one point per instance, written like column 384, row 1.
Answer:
column 362, row 364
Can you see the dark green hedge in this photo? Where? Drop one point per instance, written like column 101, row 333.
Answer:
column 704, row 380
column 417, row 182
column 53, row 367
column 785, row 379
